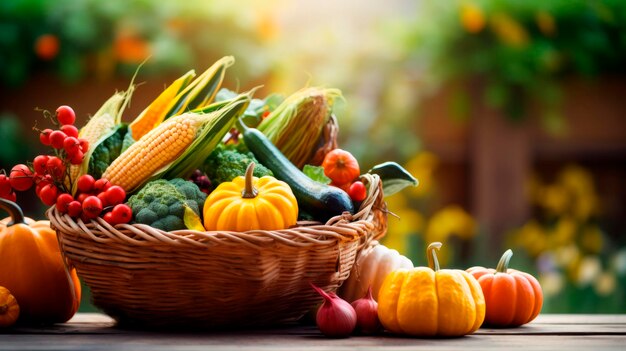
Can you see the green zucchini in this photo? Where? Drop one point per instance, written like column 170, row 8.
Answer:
column 319, row 200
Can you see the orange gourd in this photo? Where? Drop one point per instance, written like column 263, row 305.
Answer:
column 512, row 297
column 428, row 301
column 9, row 309
column 32, row 268
column 341, row 167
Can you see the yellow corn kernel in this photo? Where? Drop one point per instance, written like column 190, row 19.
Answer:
column 153, row 151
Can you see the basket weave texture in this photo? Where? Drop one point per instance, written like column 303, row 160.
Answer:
column 144, row 276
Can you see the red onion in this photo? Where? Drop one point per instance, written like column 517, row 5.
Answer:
column 366, row 308
column 335, row 317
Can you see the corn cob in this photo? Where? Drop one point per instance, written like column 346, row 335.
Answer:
column 154, row 150
column 154, row 114
column 174, row 148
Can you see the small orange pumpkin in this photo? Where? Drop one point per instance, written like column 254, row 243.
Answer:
column 512, row 297
column 32, row 268
column 9, row 309
column 341, row 167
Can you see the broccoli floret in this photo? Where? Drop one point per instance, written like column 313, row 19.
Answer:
column 106, row 152
column 161, row 203
column 226, row 163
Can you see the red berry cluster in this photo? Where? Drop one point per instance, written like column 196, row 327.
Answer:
column 51, row 177
column 95, row 197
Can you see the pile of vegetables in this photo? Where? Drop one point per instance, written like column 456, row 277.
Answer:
column 202, row 158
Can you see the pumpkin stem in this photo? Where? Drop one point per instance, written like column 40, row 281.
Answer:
column 431, row 253
column 503, row 265
column 249, row 191
column 17, row 216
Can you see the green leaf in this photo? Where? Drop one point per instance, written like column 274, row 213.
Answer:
column 394, row 177
column 316, row 173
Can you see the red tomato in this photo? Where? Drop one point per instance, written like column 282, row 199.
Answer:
column 357, row 191
column 82, row 196
column 56, row 139
column 341, row 166
column 92, row 207
column 115, row 195
column 44, row 136
column 39, row 164
column 85, row 183
column 108, row 217
column 10, row 196
column 21, row 177
column 48, row 194
column 63, row 202
column 84, row 144
column 74, row 209
column 66, row 115
column 5, row 185
column 69, row 130
column 77, row 158
column 122, row 213
column 103, row 198
column 71, row 145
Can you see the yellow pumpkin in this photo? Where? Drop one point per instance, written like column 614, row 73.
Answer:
column 428, row 301
column 9, row 309
column 249, row 203
column 32, row 268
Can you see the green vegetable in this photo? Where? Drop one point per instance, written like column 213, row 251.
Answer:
column 394, row 177
column 319, row 200
column 316, row 173
column 163, row 204
column 106, row 152
column 257, row 108
column 228, row 162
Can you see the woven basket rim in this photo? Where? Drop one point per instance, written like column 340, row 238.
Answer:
column 343, row 227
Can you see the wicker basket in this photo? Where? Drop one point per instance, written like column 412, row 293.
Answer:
column 144, row 276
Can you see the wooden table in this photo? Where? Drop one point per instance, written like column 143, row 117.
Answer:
column 98, row 332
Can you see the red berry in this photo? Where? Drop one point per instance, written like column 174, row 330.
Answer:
column 357, row 191
column 122, row 213
column 115, row 195
column 108, row 217
column 48, row 194
column 77, row 158
column 82, row 196
column 101, row 185
column 84, row 144
column 71, row 145
column 21, row 177
column 63, row 202
column 55, row 167
column 39, row 164
column 85, row 183
column 74, row 209
column 66, row 115
column 69, row 130
column 92, row 207
column 103, row 198
column 10, row 196
column 56, row 139
column 5, row 185
column 44, row 136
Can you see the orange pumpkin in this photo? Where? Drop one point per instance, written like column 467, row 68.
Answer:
column 341, row 167
column 512, row 297
column 32, row 268
column 9, row 309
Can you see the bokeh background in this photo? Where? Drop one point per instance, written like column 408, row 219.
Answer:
column 512, row 114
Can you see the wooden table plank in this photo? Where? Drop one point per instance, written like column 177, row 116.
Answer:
column 87, row 332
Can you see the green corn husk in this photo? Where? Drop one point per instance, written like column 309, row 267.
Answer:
column 296, row 124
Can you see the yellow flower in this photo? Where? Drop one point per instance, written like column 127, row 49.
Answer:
column 450, row 220
column 555, row 199
column 267, row 27
column 592, row 239
column 532, row 237
column 422, row 166
column 472, row 18
column 545, row 22
column 509, row 30
column 605, row 283
column 551, row 283
column 577, row 180
column 589, row 268
column 567, row 257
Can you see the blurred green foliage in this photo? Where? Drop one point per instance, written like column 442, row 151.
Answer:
column 519, row 49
